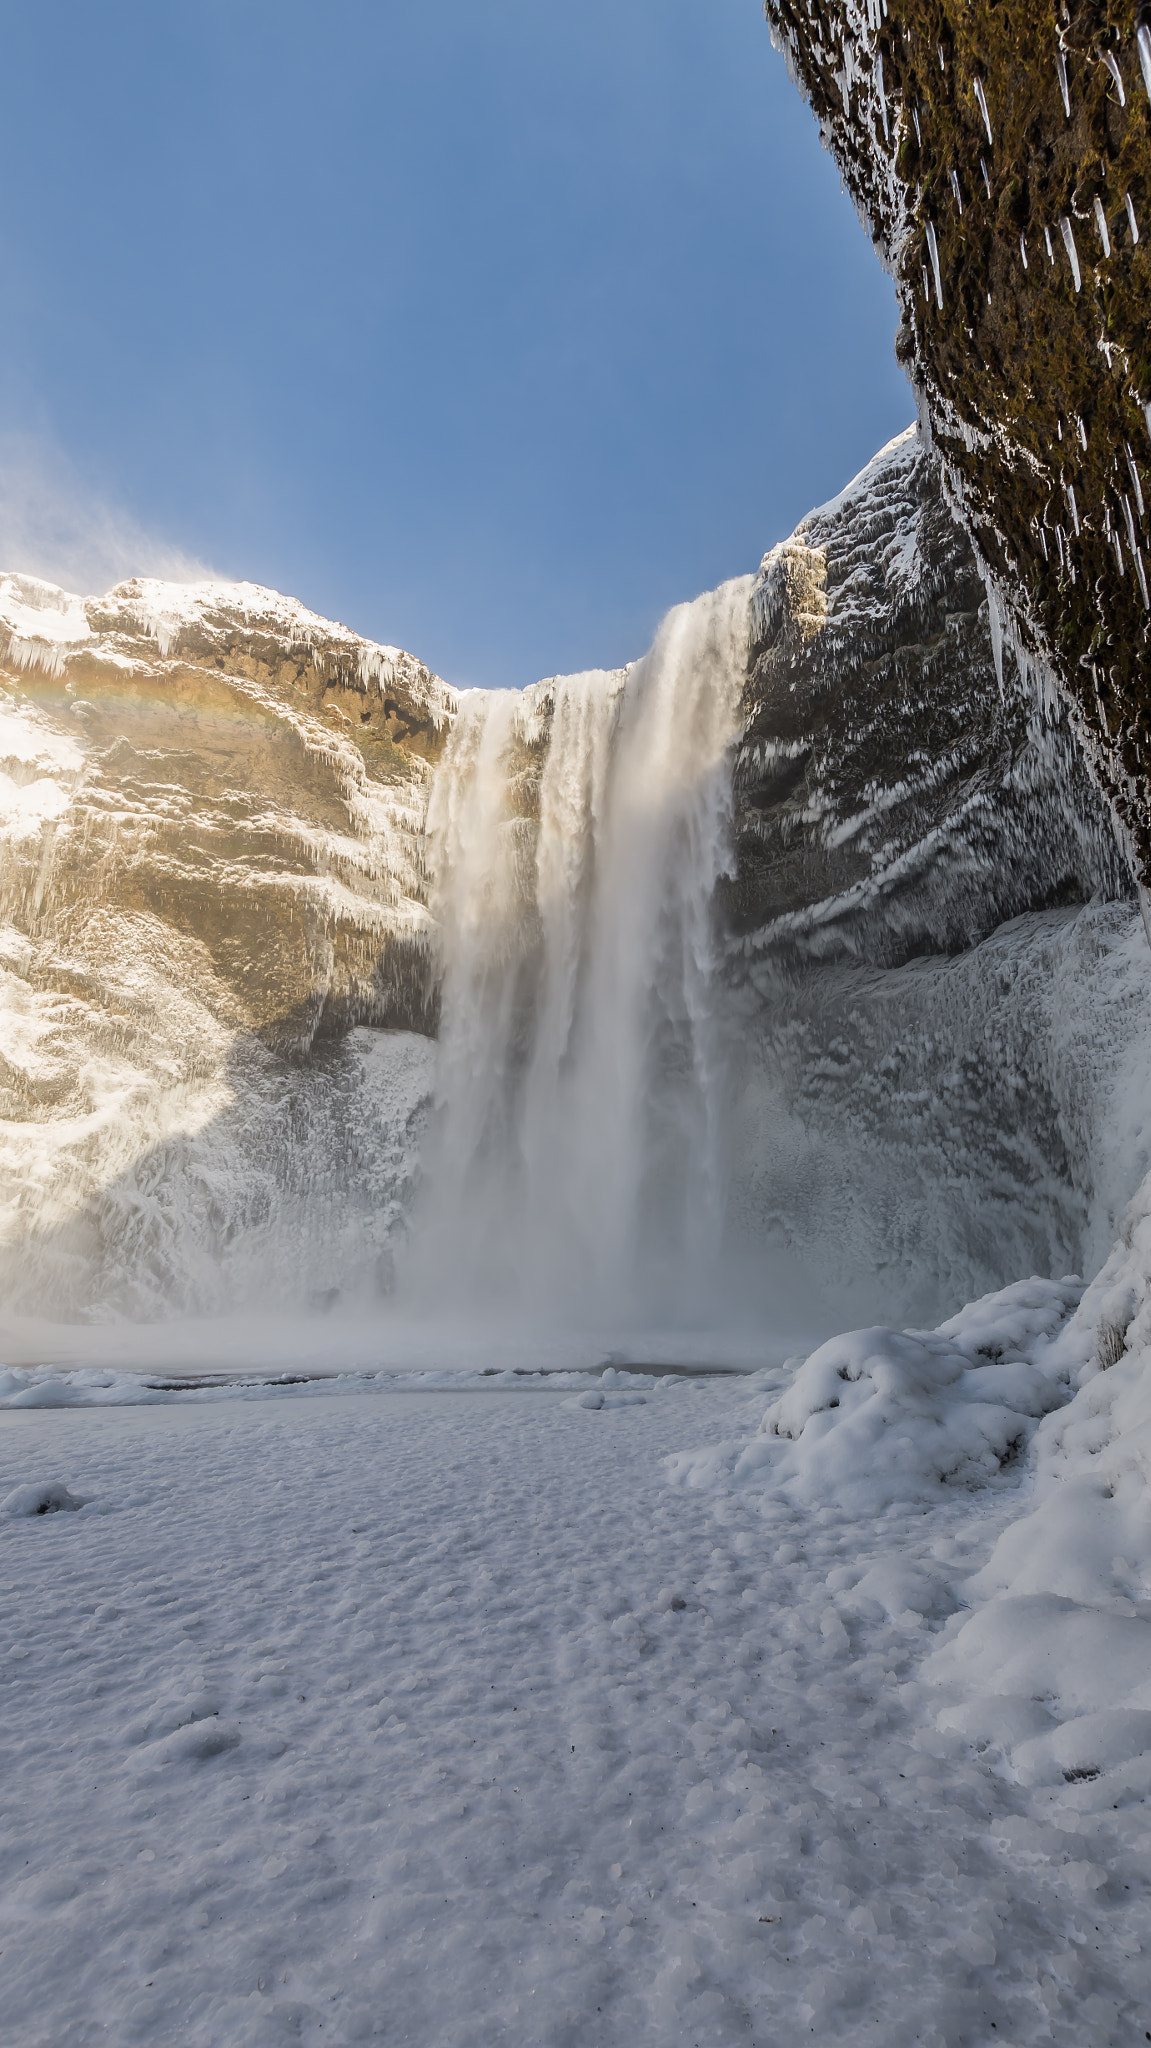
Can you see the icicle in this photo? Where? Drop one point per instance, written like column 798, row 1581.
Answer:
column 933, row 252
column 1081, row 430
column 1142, row 575
column 942, row 65
column 1135, row 483
column 1074, row 508
column 926, row 285
column 1061, row 67
column 996, row 625
column 882, row 95
column 1059, row 545
column 1023, row 251
column 1131, row 216
column 1101, row 224
column 1047, row 239
column 1147, row 417
column 1043, row 544
column 957, row 192
column 1059, row 428
column 1130, row 518
column 918, row 136
column 1143, row 45
column 978, row 91
column 1113, row 68
column 1118, row 546
column 1069, row 245
column 986, row 178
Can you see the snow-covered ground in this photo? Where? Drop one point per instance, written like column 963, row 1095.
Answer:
column 477, row 1717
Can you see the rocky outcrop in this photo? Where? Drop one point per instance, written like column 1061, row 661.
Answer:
column 211, row 872
column 895, row 794
column 214, row 769
column 1001, row 155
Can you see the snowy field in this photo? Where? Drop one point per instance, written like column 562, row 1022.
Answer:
column 471, row 1717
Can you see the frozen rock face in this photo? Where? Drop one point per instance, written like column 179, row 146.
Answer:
column 1001, row 156
column 231, row 922
column 936, row 974
column 895, row 795
column 211, row 866
column 217, row 761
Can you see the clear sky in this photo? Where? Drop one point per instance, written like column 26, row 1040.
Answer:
column 492, row 327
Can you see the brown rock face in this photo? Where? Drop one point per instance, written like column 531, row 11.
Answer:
column 1001, row 153
column 211, row 865
column 228, row 770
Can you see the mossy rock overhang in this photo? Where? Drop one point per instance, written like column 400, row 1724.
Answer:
column 1000, row 154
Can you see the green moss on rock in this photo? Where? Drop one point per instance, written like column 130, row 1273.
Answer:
column 1035, row 370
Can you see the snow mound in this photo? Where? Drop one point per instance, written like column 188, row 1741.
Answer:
column 1053, row 1667
column 47, row 1498
column 880, row 1416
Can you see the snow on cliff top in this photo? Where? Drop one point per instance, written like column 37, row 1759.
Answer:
column 43, row 625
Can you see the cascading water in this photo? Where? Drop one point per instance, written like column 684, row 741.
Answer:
column 640, row 1126
column 576, row 1156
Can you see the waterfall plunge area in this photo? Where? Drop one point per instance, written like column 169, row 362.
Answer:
column 575, row 1164
column 643, row 1137
column 635, row 1137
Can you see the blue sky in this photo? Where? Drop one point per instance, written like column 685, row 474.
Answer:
column 492, row 327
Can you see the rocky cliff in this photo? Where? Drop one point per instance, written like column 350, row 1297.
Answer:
column 1000, row 154
column 897, row 791
column 220, row 943
column 217, row 761
column 211, row 872
column 937, row 973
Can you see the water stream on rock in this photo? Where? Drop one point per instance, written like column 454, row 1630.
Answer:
column 576, row 1157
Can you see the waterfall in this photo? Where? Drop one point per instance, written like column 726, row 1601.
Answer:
column 576, row 1157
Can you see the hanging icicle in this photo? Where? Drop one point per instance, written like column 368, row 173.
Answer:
column 1074, row 508
column 882, row 95
column 996, row 625
column 986, row 176
column 1131, row 216
column 915, row 118
column 1117, row 75
column 957, row 192
column 1061, row 68
column 977, row 88
column 1134, row 474
column 1069, row 244
column 1143, row 45
column 933, row 252
column 1101, row 224
column 1050, row 250
column 1023, row 251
